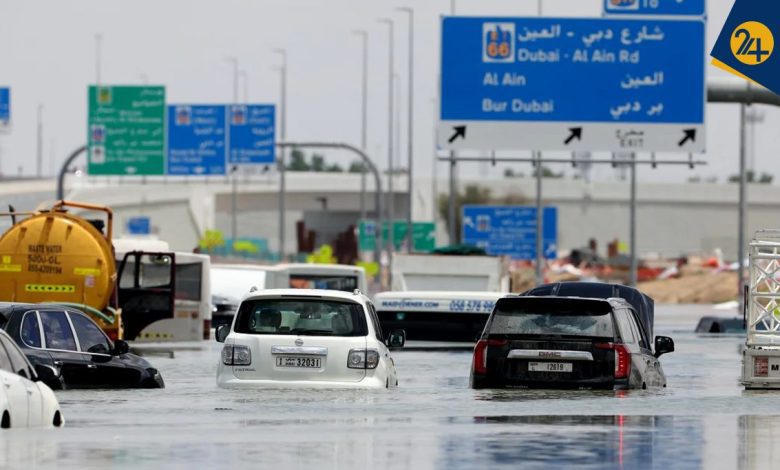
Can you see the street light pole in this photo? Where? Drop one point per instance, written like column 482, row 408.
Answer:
column 364, row 119
column 391, row 204
column 410, row 132
column 245, row 77
column 282, row 151
column 39, row 149
column 234, row 169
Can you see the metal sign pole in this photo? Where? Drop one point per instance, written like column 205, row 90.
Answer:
column 742, row 199
column 539, row 220
column 632, row 224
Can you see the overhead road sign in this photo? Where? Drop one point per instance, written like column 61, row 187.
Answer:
column 510, row 230
column 126, row 130
column 423, row 235
column 139, row 226
column 252, row 134
column 197, row 139
column 655, row 7
column 572, row 84
column 5, row 108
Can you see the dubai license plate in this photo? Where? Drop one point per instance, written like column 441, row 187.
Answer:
column 549, row 367
column 299, row 361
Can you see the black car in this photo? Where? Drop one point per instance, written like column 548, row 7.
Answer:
column 643, row 305
column 71, row 342
column 567, row 342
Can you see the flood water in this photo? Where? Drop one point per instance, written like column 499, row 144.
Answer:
column 704, row 419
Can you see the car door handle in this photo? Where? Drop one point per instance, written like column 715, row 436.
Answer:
column 91, row 366
column 58, row 363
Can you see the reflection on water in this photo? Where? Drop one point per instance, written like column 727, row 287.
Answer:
column 703, row 420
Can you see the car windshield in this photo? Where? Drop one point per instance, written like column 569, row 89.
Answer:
column 313, row 317
column 573, row 320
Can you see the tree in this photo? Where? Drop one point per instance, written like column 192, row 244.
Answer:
column 317, row 162
column 356, row 167
column 752, row 177
column 298, row 161
column 334, row 168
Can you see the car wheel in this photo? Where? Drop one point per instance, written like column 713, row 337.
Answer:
column 6, row 422
column 57, row 421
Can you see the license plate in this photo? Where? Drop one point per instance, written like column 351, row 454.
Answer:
column 549, row 367
column 299, row 361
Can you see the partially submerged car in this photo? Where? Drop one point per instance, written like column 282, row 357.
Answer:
column 310, row 338
column 70, row 341
column 25, row 400
column 567, row 342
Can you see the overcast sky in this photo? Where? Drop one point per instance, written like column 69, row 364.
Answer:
column 48, row 57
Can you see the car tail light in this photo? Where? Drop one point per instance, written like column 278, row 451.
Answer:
column 480, row 353
column 236, row 355
column 363, row 359
column 761, row 367
column 622, row 358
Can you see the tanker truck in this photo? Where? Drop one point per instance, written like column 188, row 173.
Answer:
column 55, row 256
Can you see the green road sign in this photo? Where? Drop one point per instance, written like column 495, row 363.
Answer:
column 423, row 235
column 126, row 130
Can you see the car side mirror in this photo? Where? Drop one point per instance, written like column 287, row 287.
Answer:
column 396, row 339
column 222, row 333
column 46, row 373
column 663, row 345
column 120, row 347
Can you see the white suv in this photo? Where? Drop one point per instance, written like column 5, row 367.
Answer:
column 25, row 401
column 310, row 338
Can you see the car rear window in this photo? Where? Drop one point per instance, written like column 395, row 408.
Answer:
column 552, row 317
column 295, row 316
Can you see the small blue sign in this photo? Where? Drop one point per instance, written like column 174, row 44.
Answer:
column 655, row 7
column 252, row 134
column 196, row 139
column 139, row 226
column 510, row 230
column 572, row 70
column 5, row 106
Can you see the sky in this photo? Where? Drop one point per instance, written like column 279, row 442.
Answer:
column 48, row 58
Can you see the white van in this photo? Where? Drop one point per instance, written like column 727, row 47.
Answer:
column 436, row 315
column 341, row 277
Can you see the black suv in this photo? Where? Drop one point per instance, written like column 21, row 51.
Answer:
column 567, row 342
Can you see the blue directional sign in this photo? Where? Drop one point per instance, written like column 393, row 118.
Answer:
column 197, row 139
column 139, row 226
column 510, row 230
column 655, row 7
column 252, row 133
column 5, row 106
column 572, row 84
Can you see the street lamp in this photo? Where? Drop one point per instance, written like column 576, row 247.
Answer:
column 282, row 151
column 234, row 169
column 364, row 112
column 391, row 204
column 410, row 131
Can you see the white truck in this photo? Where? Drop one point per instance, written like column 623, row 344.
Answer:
column 449, row 273
column 761, row 355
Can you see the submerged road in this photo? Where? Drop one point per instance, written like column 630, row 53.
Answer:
column 704, row 419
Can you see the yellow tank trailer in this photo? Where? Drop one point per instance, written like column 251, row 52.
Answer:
column 54, row 256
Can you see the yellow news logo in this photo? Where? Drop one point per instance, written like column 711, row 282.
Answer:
column 752, row 43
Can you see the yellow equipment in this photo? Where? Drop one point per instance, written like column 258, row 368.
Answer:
column 54, row 256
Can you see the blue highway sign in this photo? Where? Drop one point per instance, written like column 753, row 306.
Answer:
column 510, row 230
column 655, row 7
column 5, row 107
column 252, row 134
column 197, row 139
column 572, row 84
column 139, row 226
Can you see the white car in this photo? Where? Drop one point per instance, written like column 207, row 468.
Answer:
column 25, row 401
column 309, row 338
